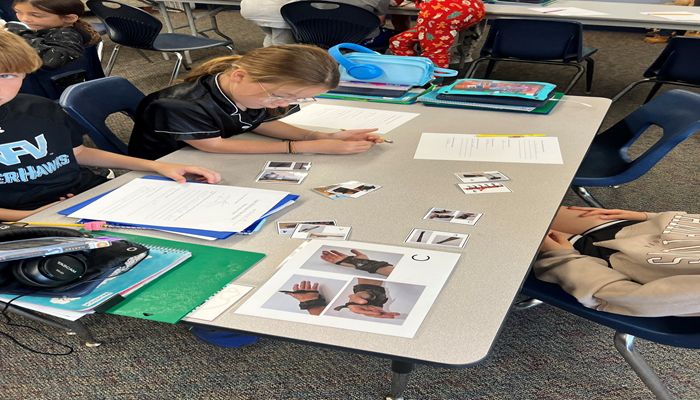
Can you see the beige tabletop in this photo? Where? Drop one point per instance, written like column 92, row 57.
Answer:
column 467, row 315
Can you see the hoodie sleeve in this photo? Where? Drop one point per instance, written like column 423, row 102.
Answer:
column 57, row 47
column 597, row 286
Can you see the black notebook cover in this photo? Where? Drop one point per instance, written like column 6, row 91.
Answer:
column 505, row 100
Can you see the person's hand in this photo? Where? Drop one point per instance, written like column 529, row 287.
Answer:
column 60, row 199
column 335, row 256
column 372, row 311
column 556, row 240
column 606, row 214
column 369, row 135
column 333, row 146
column 178, row 172
column 305, row 285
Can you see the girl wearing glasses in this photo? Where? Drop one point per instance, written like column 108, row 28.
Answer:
column 231, row 95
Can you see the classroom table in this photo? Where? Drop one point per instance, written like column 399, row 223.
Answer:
column 615, row 14
column 467, row 316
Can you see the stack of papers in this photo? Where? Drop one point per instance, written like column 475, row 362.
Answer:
column 376, row 92
column 516, row 148
column 341, row 117
column 537, row 97
column 192, row 209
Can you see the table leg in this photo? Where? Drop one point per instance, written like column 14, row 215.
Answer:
column 193, row 28
column 163, row 10
column 72, row 327
column 399, row 379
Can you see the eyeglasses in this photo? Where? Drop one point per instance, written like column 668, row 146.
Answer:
column 271, row 98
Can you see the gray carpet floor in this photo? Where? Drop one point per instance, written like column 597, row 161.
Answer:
column 542, row 353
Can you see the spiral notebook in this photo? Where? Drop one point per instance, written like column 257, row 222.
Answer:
column 171, row 297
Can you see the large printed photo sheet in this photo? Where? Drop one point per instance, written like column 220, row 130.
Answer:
column 352, row 285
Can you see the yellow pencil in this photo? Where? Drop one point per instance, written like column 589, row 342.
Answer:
column 46, row 224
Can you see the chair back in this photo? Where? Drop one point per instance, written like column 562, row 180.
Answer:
column 534, row 39
column 50, row 83
column 676, row 112
column 677, row 62
column 90, row 103
column 127, row 25
column 327, row 23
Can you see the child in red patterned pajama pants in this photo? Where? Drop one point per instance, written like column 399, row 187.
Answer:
column 439, row 23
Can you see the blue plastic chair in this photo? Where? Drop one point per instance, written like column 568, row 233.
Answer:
column 537, row 41
column 672, row 331
column 90, row 103
column 6, row 11
column 327, row 23
column 677, row 64
column 608, row 162
column 131, row 27
column 50, row 83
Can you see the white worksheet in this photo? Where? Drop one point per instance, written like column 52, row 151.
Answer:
column 568, row 11
column 182, row 205
column 319, row 283
column 342, row 117
column 675, row 15
column 465, row 147
column 220, row 302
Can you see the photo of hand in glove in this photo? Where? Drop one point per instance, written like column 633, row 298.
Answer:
column 353, row 261
column 375, row 300
column 303, row 294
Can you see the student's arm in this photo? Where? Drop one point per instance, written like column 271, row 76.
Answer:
column 598, row 286
column 322, row 146
column 282, row 130
column 308, row 141
column 100, row 158
column 8, row 215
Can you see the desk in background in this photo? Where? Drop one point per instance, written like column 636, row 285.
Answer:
column 466, row 318
column 616, row 14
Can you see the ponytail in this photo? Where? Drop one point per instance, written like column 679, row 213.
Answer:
column 212, row 67
column 90, row 35
column 294, row 64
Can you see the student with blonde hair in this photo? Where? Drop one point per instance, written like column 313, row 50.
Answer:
column 231, row 95
column 41, row 150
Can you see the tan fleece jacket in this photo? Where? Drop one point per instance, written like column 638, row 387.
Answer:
column 656, row 271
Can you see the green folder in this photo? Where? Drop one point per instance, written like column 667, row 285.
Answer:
column 172, row 296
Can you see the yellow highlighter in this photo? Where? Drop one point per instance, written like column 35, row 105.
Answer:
column 510, row 135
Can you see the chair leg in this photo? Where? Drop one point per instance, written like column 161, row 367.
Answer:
column 580, row 70
column 215, row 24
column 230, row 47
column 590, row 66
column 586, row 196
column 144, row 55
column 472, row 68
column 176, row 70
column 624, row 343
column 100, row 48
column 112, row 59
column 653, row 91
column 527, row 304
column 489, row 69
column 628, row 88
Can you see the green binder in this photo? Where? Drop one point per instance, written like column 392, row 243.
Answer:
column 172, row 296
